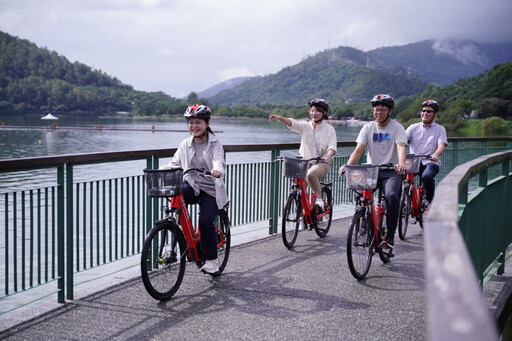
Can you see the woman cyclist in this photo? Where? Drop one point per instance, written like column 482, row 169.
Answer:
column 203, row 150
column 318, row 139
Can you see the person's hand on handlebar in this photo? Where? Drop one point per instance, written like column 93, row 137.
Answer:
column 400, row 168
column 215, row 173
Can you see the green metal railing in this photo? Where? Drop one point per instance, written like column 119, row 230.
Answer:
column 52, row 232
column 467, row 240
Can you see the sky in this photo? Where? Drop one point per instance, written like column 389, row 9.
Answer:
column 180, row 46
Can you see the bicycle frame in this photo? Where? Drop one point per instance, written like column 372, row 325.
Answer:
column 192, row 236
column 415, row 193
column 375, row 209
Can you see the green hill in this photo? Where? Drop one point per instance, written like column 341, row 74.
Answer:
column 35, row 80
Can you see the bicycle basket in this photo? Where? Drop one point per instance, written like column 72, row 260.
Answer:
column 361, row 176
column 412, row 163
column 163, row 183
column 295, row 168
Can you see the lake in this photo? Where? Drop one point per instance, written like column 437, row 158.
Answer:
column 32, row 141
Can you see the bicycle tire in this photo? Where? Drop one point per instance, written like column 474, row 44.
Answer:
column 291, row 220
column 223, row 233
column 163, row 260
column 423, row 199
column 405, row 212
column 384, row 255
column 360, row 245
column 323, row 224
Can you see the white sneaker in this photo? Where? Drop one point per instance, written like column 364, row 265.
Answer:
column 319, row 204
column 211, row 266
column 302, row 226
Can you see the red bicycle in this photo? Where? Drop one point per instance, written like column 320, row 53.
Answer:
column 173, row 240
column 413, row 202
column 368, row 227
column 299, row 204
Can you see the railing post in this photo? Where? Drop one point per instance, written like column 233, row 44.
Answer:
column 274, row 191
column 503, row 219
column 69, row 232
column 60, row 235
column 455, row 155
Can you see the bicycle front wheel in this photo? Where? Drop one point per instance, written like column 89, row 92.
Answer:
column 323, row 222
column 360, row 243
column 405, row 212
column 163, row 260
column 223, row 233
column 291, row 220
column 384, row 255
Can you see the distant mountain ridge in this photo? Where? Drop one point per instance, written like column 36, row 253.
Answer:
column 229, row 84
column 345, row 74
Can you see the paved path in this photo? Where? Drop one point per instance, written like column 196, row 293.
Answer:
column 266, row 293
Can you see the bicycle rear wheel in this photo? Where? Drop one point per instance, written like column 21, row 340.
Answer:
column 291, row 219
column 223, row 233
column 163, row 260
column 405, row 212
column 360, row 244
column 323, row 223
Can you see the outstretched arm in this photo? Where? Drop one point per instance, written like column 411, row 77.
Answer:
column 282, row 119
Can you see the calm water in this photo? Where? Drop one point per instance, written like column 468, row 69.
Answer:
column 35, row 142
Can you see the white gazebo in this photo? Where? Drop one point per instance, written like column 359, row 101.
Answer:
column 49, row 117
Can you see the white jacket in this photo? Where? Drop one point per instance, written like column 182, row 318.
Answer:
column 214, row 157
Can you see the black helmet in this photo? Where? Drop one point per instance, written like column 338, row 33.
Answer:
column 318, row 102
column 382, row 99
column 198, row 111
column 431, row 103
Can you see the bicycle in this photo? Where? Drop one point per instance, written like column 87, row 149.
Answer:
column 299, row 203
column 173, row 240
column 368, row 227
column 413, row 201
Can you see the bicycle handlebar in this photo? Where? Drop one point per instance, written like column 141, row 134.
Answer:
column 319, row 159
column 201, row 171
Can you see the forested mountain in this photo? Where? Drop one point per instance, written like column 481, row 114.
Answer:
column 487, row 95
column 346, row 74
column 36, row 80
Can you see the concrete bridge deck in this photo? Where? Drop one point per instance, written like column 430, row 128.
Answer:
column 266, row 292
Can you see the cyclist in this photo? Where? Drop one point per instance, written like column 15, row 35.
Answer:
column 318, row 139
column 386, row 142
column 203, row 150
column 428, row 138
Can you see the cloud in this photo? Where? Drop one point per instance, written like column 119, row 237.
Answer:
column 181, row 46
column 466, row 53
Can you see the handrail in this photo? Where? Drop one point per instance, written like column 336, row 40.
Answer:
column 454, row 299
column 106, row 206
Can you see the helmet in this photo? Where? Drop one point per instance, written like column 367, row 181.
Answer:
column 198, row 111
column 386, row 100
column 318, row 102
column 431, row 103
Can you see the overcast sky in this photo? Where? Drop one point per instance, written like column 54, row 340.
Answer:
column 179, row 46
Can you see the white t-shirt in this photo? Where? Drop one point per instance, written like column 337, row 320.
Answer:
column 424, row 139
column 314, row 143
column 381, row 141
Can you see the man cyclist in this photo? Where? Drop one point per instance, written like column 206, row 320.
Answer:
column 428, row 138
column 385, row 141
